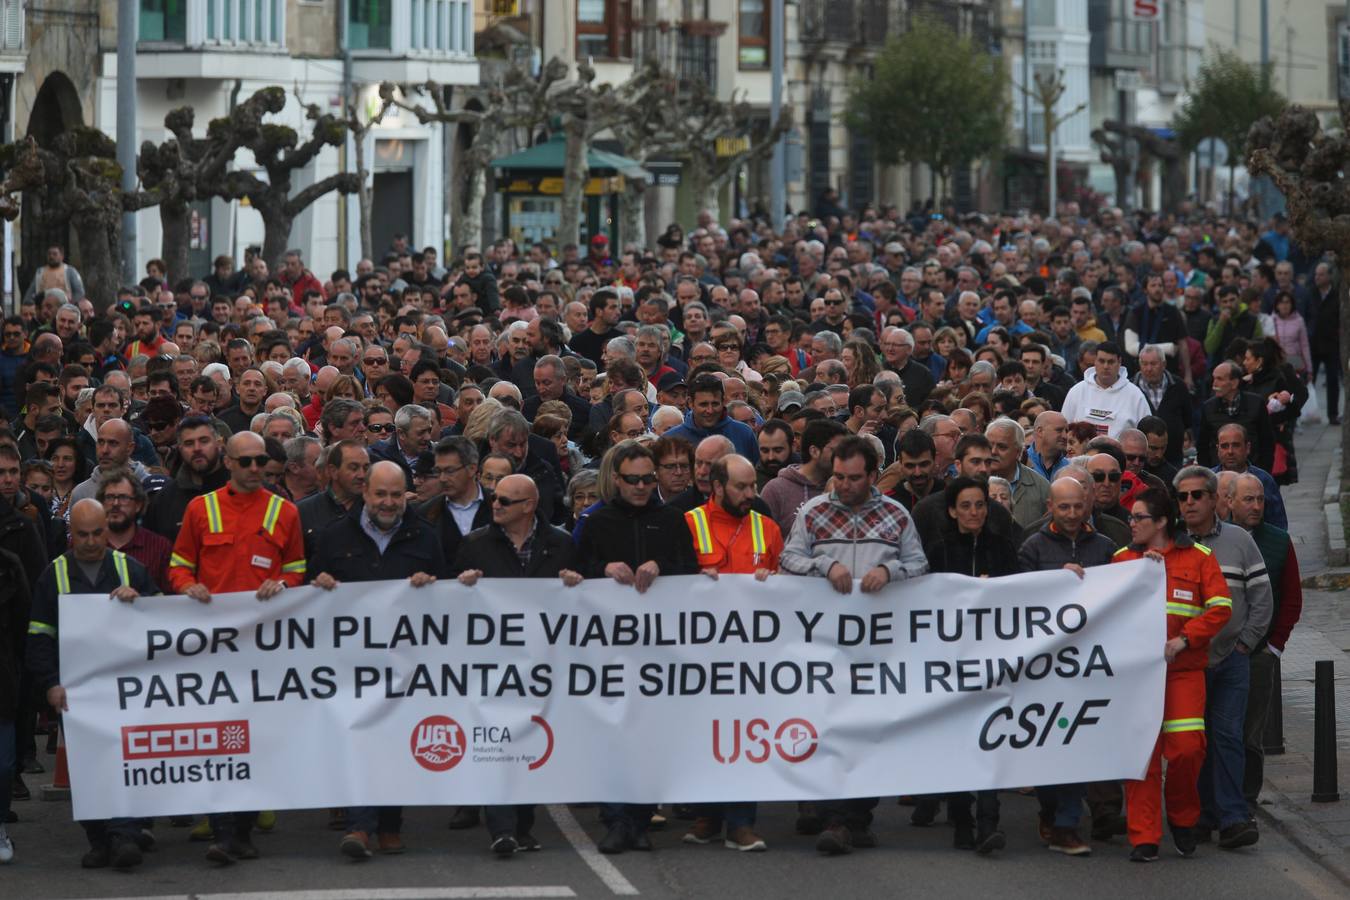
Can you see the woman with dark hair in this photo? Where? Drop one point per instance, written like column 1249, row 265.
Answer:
column 861, row 363
column 1291, row 332
column 966, row 546
column 1198, row 605
column 1079, row 433
column 958, row 367
column 1274, row 380
column 69, row 468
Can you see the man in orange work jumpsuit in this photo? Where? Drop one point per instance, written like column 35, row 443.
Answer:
column 238, row 538
column 1198, row 606
column 730, row 538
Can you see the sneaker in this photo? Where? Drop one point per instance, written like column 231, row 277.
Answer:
column 6, row 847
column 202, row 831
column 1046, row 830
column 355, row 845
column 337, row 819
column 31, row 766
column 640, row 840
column 808, row 822
column 745, row 840
column 1242, row 834
column 528, row 843
column 266, row 821
column 705, row 830
column 96, row 858
column 988, row 842
column 615, row 839
column 964, row 838
column 1203, row 834
column 1107, row 827
column 1184, row 839
column 1143, row 853
column 1067, row 841
column 504, row 846
column 126, row 855
column 389, row 844
column 226, row 852
column 463, row 817
column 835, row 841
column 657, row 822
column 18, row 790
column 863, row 838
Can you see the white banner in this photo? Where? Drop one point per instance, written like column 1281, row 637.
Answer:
column 523, row 691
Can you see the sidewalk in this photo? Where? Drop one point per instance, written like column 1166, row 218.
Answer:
column 1323, row 632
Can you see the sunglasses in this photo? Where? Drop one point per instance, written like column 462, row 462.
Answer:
column 259, row 461
column 636, row 480
column 375, row 361
column 507, row 502
column 1134, row 457
column 834, row 302
column 728, row 346
column 381, row 429
column 1192, row 495
column 1103, row 476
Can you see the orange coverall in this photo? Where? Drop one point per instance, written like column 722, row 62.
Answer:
column 734, row 546
column 1198, row 606
column 234, row 542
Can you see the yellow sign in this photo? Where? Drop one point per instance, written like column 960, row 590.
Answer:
column 505, row 7
column 732, row 146
column 554, row 186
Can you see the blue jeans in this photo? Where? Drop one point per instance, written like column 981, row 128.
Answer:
column 636, row 817
column 1063, row 803
column 1226, row 688
column 735, row 815
column 375, row 819
column 7, row 761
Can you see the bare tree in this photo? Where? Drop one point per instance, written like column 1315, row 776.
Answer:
column 1048, row 91
column 359, row 127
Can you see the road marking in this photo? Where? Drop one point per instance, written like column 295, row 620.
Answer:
column 528, row 892
column 581, row 842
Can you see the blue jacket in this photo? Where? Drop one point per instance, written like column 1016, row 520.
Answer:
column 740, row 434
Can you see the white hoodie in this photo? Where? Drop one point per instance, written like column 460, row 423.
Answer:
column 1111, row 410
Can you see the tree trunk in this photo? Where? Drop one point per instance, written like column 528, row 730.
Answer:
column 175, row 222
column 575, row 173
column 364, row 200
column 276, row 235
column 1344, row 362
column 466, row 224
column 1232, row 187
column 100, row 261
column 633, row 209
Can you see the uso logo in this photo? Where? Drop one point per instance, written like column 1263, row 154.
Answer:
column 794, row 740
column 437, row 743
column 185, row 739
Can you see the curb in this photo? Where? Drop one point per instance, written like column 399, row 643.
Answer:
column 1284, row 815
column 1337, row 554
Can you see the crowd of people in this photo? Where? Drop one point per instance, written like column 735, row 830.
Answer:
column 860, row 397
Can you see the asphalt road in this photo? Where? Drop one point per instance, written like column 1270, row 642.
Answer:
column 300, row 862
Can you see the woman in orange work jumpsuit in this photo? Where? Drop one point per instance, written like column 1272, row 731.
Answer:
column 1198, row 606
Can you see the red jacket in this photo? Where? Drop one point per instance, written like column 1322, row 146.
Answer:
column 234, row 542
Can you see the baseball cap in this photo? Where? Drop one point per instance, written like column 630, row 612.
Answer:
column 670, row 381
column 791, row 399
column 894, row 248
column 599, row 240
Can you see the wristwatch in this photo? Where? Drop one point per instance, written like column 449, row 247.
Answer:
column 1185, row 640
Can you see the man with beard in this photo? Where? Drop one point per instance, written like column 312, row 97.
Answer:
column 199, row 471
column 798, row 483
column 123, row 498
column 912, row 476
column 775, row 451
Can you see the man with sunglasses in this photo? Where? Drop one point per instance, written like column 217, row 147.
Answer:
column 241, row 537
column 836, row 310
column 1228, row 676
column 1106, row 475
column 731, row 538
column 632, row 538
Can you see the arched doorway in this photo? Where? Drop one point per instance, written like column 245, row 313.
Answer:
column 56, row 109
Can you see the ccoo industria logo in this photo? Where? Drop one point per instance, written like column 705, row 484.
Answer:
column 159, row 754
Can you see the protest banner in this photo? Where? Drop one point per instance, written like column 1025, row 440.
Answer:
column 519, row 691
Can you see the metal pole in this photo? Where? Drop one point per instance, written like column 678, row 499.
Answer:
column 1324, row 733
column 128, row 15
column 1050, row 161
column 344, row 202
column 777, row 173
column 1265, row 34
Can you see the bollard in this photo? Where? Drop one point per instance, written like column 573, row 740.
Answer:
column 1273, row 740
column 1324, row 733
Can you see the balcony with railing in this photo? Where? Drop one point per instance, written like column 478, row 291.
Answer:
column 13, row 45
column 248, row 25
column 412, row 40
column 864, row 23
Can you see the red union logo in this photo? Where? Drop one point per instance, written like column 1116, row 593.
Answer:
column 185, row 739
column 795, row 740
column 437, row 743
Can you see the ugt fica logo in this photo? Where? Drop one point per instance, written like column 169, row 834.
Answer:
column 795, row 741
column 437, row 743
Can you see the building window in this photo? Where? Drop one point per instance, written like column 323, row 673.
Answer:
column 368, row 27
column 603, row 29
column 753, row 33
column 1041, row 13
column 164, row 20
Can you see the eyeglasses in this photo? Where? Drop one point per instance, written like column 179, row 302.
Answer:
column 1136, row 518
column 834, row 302
column 1134, row 457
column 381, row 429
column 259, row 461
column 110, row 499
column 636, row 480
column 1104, row 476
column 446, row 472
column 507, row 502
column 675, row 467
column 1192, row 495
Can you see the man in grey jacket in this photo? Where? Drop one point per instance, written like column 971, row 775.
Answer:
column 1228, row 678
column 853, row 532
column 1030, row 490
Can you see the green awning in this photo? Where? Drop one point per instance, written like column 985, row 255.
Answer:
column 548, row 156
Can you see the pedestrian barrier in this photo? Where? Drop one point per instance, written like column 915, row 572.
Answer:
column 1324, row 733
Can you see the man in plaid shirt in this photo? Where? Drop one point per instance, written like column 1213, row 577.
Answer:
column 853, row 532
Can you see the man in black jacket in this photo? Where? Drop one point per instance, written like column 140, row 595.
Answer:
column 509, row 433
column 347, row 465
column 462, row 505
column 14, row 613
column 1232, row 404
column 632, row 539
column 378, row 542
column 517, row 544
column 1168, row 398
column 200, row 471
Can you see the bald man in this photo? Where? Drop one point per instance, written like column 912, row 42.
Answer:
column 88, row 567
column 516, row 545
column 116, row 441
column 381, row 543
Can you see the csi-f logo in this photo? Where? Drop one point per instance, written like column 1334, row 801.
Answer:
column 185, row 739
column 437, row 743
column 1035, row 723
column 755, row 741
